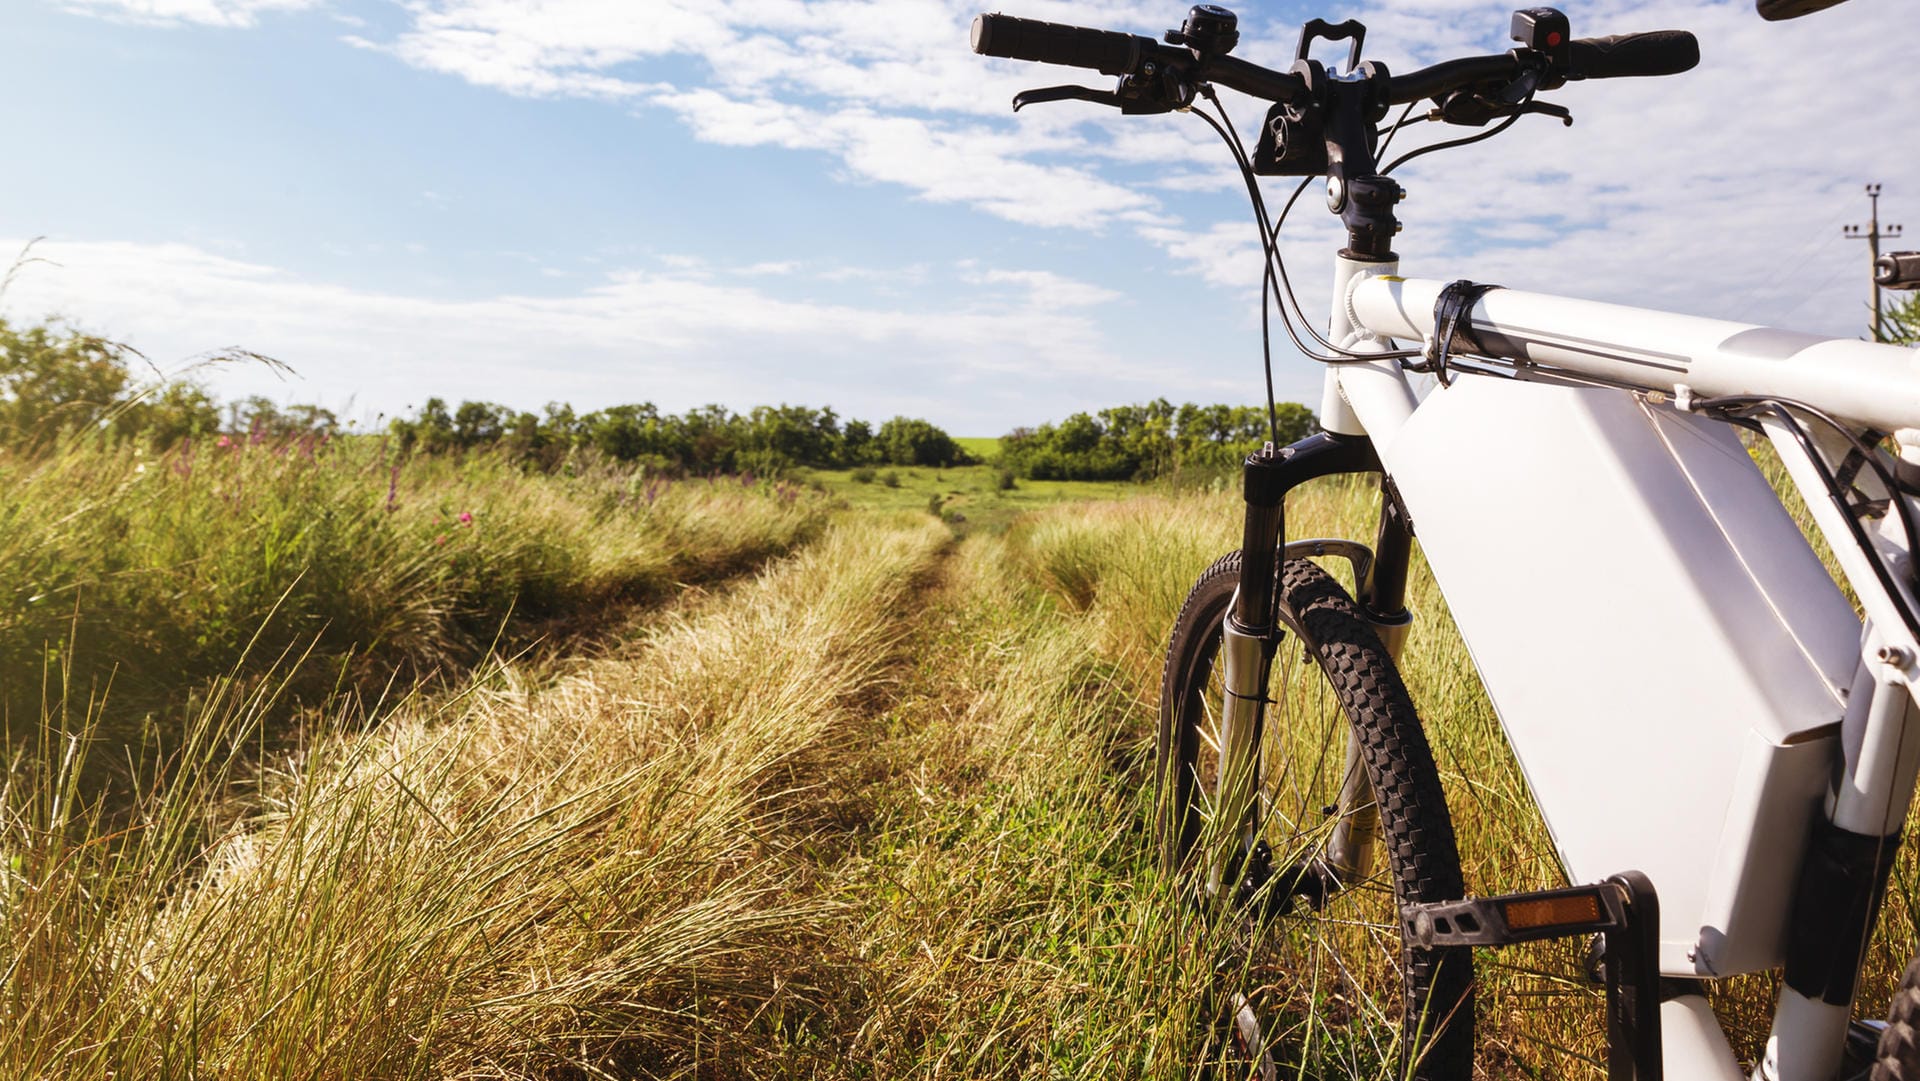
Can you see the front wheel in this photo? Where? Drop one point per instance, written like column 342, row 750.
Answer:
column 1898, row 1058
column 1343, row 770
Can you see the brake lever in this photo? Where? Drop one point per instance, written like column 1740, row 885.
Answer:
column 1548, row 109
column 1473, row 108
column 1065, row 93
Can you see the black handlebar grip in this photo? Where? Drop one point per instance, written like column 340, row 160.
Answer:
column 1661, row 52
column 1107, row 51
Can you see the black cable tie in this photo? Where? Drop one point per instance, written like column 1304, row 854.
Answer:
column 1454, row 304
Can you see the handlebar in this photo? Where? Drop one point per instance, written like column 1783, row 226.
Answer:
column 1659, row 52
column 1113, row 53
column 1322, row 124
column 1656, row 52
column 1106, row 51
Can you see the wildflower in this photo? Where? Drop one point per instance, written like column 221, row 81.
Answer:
column 223, row 441
column 441, row 539
column 466, row 517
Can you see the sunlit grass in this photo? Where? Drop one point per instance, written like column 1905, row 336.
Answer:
column 149, row 576
column 604, row 875
column 976, row 497
column 883, row 811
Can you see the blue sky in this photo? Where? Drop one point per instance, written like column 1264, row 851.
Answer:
column 828, row 202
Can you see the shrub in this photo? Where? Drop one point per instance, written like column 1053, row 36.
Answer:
column 864, row 475
column 1153, row 440
column 890, row 478
column 907, row 441
column 56, row 382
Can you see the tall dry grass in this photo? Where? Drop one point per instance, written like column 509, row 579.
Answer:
column 139, row 579
column 882, row 812
column 1000, row 912
column 1126, row 568
column 606, row 876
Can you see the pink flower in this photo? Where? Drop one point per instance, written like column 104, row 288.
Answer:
column 223, row 441
column 466, row 517
column 441, row 539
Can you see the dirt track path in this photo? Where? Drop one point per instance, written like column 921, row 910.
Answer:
column 617, row 872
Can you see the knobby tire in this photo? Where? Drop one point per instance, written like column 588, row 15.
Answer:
column 1431, row 1027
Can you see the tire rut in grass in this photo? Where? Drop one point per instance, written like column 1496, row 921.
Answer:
column 986, row 897
column 614, row 873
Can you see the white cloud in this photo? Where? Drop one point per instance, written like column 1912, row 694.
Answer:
column 887, row 86
column 1046, row 290
column 679, row 335
column 234, row 13
column 775, row 269
column 1681, row 192
column 1718, row 192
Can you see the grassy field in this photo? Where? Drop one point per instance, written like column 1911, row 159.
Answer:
column 879, row 809
column 984, row 447
column 974, row 495
column 130, row 583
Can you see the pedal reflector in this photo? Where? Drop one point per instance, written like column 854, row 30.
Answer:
column 1626, row 912
column 1516, row 917
column 1578, row 908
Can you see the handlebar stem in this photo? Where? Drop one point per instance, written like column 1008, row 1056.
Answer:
column 1363, row 199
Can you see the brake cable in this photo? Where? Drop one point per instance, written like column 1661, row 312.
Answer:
column 1727, row 405
column 1275, row 280
column 1512, row 118
column 1394, row 130
column 1269, row 238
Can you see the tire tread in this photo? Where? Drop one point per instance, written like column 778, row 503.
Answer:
column 1415, row 826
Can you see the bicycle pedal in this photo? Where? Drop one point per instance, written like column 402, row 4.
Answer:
column 1623, row 910
column 1516, row 917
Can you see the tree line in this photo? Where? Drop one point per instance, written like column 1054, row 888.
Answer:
column 766, row 440
column 55, row 381
column 1153, row 440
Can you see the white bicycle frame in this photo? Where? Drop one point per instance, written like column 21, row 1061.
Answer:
column 1685, row 687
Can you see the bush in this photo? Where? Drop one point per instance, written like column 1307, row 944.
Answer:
column 1003, row 479
column 890, row 478
column 864, row 475
column 1147, row 441
column 766, row 441
column 906, row 441
column 57, row 383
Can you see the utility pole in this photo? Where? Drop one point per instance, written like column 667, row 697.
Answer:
column 1873, row 236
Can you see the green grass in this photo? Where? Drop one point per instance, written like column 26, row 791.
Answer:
column 972, row 492
column 606, row 874
column 881, row 811
column 984, row 447
column 136, row 580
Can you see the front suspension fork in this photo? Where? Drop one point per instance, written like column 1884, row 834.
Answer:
column 1252, row 633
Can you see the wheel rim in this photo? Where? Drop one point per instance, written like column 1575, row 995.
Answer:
column 1326, row 969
